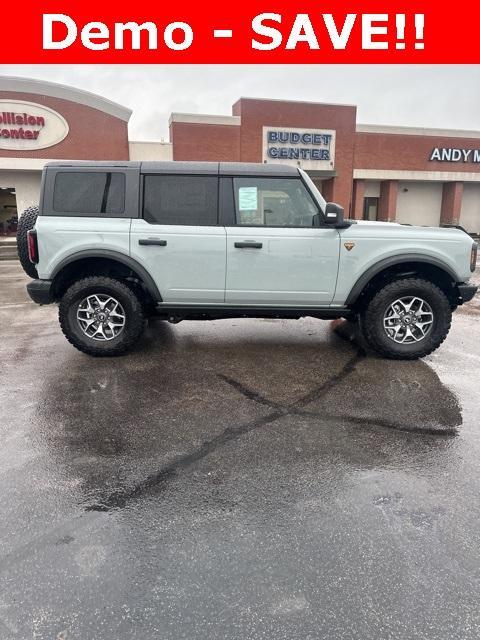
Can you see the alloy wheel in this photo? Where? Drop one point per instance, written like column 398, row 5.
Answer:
column 408, row 320
column 101, row 317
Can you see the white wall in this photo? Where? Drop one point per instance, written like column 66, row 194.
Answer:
column 470, row 212
column 26, row 185
column 419, row 203
column 151, row 151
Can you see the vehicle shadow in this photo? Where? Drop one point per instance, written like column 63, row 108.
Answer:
column 128, row 426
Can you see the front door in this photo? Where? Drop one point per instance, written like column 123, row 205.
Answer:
column 370, row 208
column 179, row 241
column 274, row 254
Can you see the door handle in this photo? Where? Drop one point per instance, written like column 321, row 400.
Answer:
column 248, row 245
column 155, row 241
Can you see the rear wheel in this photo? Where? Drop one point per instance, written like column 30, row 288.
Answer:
column 101, row 316
column 407, row 319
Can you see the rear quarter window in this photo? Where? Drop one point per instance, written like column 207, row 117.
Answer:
column 94, row 193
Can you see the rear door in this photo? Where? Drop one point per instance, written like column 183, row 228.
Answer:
column 177, row 237
column 274, row 254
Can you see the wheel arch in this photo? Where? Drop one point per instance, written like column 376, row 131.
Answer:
column 394, row 266
column 105, row 257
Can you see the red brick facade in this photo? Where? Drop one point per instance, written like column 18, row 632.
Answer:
column 93, row 134
column 401, row 152
column 451, row 202
column 205, row 142
column 388, row 200
column 243, row 143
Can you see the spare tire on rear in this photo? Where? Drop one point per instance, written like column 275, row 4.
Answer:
column 25, row 223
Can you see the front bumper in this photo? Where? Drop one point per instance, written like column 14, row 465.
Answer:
column 466, row 292
column 40, row 291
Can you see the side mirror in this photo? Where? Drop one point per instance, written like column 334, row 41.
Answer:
column 334, row 214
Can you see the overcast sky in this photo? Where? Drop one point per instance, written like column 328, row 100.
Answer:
column 430, row 96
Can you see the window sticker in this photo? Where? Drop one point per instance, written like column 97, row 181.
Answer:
column 248, row 199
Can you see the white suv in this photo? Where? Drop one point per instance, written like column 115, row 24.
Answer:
column 116, row 242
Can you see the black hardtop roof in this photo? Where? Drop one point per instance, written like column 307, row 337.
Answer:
column 180, row 167
column 219, row 168
column 93, row 164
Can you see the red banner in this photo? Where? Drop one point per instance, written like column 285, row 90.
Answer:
column 254, row 31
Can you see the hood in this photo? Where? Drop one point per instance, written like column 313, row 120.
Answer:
column 374, row 229
column 446, row 230
column 376, row 222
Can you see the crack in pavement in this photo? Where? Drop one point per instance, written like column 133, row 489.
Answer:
column 119, row 499
column 384, row 424
column 249, row 393
column 294, row 408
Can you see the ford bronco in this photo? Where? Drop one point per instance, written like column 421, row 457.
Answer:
column 114, row 243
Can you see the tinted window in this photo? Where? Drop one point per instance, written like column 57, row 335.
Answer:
column 190, row 200
column 273, row 202
column 89, row 192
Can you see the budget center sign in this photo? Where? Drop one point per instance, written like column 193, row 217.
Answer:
column 312, row 149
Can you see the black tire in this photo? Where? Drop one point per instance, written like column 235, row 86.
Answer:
column 25, row 223
column 372, row 319
column 101, row 285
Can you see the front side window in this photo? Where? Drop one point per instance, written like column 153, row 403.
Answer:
column 94, row 192
column 184, row 200
column 273, row 202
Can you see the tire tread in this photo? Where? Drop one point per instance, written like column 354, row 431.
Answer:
column 26, row 223
column 378, row 300
column 130, row 333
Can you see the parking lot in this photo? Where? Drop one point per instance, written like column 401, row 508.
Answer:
column 236, row 479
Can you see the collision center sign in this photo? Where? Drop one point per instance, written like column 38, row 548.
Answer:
column 312, row 149
column 26, row 126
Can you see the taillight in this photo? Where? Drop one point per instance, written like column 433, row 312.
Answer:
column 32, row 246
column 473, row 257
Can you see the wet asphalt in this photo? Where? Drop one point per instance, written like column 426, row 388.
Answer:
column 236, row 479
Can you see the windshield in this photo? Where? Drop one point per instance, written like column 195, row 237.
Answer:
column 315, row 192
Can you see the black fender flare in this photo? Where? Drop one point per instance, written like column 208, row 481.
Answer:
column 391, row 261
column 129, row 262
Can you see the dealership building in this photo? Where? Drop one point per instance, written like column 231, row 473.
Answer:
column 404, row 174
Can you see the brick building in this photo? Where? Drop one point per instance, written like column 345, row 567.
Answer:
column 411, row 175
column 43, row 121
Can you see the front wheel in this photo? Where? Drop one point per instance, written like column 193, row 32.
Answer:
column 101, row 316
column 407, row 319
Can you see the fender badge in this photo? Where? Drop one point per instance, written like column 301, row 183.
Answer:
column 348, row 245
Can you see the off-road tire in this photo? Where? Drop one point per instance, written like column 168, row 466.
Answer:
column 25, row 223
column 371, row 319
column 134, row 316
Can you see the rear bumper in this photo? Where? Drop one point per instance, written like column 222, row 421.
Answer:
column 40, row 291
column 466, row 292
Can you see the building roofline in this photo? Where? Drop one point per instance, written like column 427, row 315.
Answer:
column 320, row 104
column 203, row 118
column 417, row 131
column 150, row 142
column 64, row 92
